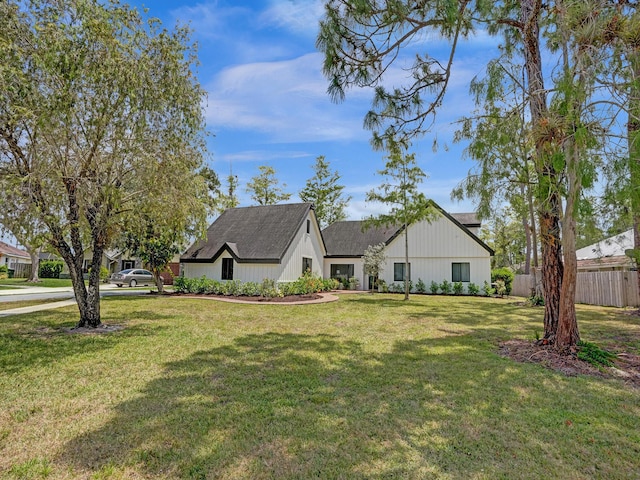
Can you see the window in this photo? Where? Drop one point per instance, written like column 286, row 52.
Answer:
column 398, row 272
column 306, row 265
column 227, row 269
column 460, row 272
column 127, row 264
column 339, row 270
column 308, row 226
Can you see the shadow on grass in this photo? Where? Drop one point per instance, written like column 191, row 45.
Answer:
column 299, row 406
column 41, row 338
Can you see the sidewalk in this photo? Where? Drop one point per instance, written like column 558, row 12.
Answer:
column 30, row 290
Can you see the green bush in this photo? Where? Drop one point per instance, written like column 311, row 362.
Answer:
column 4, row 271
column 434, row 287
column 501, row 288
column 269, row 288
column 446, row 287
column 458, row 288
column 50, row 268
column 473, row 289
column 487, row 289
column 504, row 274
column 420, row 286
column 590, row 352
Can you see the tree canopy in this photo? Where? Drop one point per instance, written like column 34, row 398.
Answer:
column 100, row 123
column 325, row 193
column 265, row 188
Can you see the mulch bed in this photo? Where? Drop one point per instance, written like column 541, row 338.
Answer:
column 626, row 365
column 258, row 299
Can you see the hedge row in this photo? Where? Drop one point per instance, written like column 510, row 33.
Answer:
column 268, row 288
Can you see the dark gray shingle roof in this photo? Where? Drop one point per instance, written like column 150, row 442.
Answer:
column 467, row 219
column 251, row 234
column 347, row 239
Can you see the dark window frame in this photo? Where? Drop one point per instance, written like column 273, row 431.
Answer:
column 308, row 226
column 227, row 269
column 307, row 263
column 461, row 272
column 397, row 275
column 350, row 270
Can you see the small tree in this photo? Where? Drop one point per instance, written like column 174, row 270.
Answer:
column 408, row 205
column 324, row 192
column 374, row 260
column 265, row 188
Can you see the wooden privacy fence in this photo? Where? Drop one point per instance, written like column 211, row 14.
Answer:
column 611, row 289
column 21, row 270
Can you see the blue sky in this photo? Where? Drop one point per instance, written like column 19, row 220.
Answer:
column 267, row 102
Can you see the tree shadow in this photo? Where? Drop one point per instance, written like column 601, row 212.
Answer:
column 298, row 406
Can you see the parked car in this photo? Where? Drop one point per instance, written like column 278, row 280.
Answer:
column 132, row 277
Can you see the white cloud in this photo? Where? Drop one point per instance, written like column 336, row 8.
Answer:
column 261, row 156
column 298, row 16
column 285, row 99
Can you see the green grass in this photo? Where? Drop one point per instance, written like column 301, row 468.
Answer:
column 23, row 303
column 366, row 387
column 44, row 282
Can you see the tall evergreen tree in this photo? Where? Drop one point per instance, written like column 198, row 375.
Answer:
column 265, row 187
column 325, row 193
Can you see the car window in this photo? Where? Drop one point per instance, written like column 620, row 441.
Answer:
column 146, row 272
column 128, row 270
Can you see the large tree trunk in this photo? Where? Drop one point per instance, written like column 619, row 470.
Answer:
column 633, row 145
column 34, row 253
column 568, row 334
column 549, row 200
column 527, row 236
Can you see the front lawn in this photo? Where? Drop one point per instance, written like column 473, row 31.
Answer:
column 366, row 387
column 44, row 282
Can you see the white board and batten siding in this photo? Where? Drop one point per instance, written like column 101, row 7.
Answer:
column 433, row 247
column 304, row 244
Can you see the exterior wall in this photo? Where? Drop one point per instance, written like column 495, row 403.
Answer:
column 358, row 269
column 304, row 245
column 433, row 248
column 11, row 260
column 290, row 269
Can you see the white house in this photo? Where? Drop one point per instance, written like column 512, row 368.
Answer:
column 280, row 242
column 10, row 256
column 607, row 255
column 443, row 249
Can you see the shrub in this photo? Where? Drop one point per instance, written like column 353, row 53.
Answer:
column 434, row 287
column 420, row 286
column 269, row 288
column 458, row 288
column 4, row 271
column 330, row 284
column 535, row 300
column 250, row 289
column 396, row 287
column 473, row 289
column 50, row 268
column 590, row 352
column 501, row 288
column 487, row 289
column 504, row 274
column 445, row 286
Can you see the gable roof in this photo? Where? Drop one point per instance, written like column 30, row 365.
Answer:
column 469, row 220
column 347, row 239
column 260, row 234
column 9, row 251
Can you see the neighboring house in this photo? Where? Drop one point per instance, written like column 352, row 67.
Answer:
column 280, row 242
column 443, row 249
column 112, row 260
column 277, row 242
column 607, row 255
column 10, row 256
